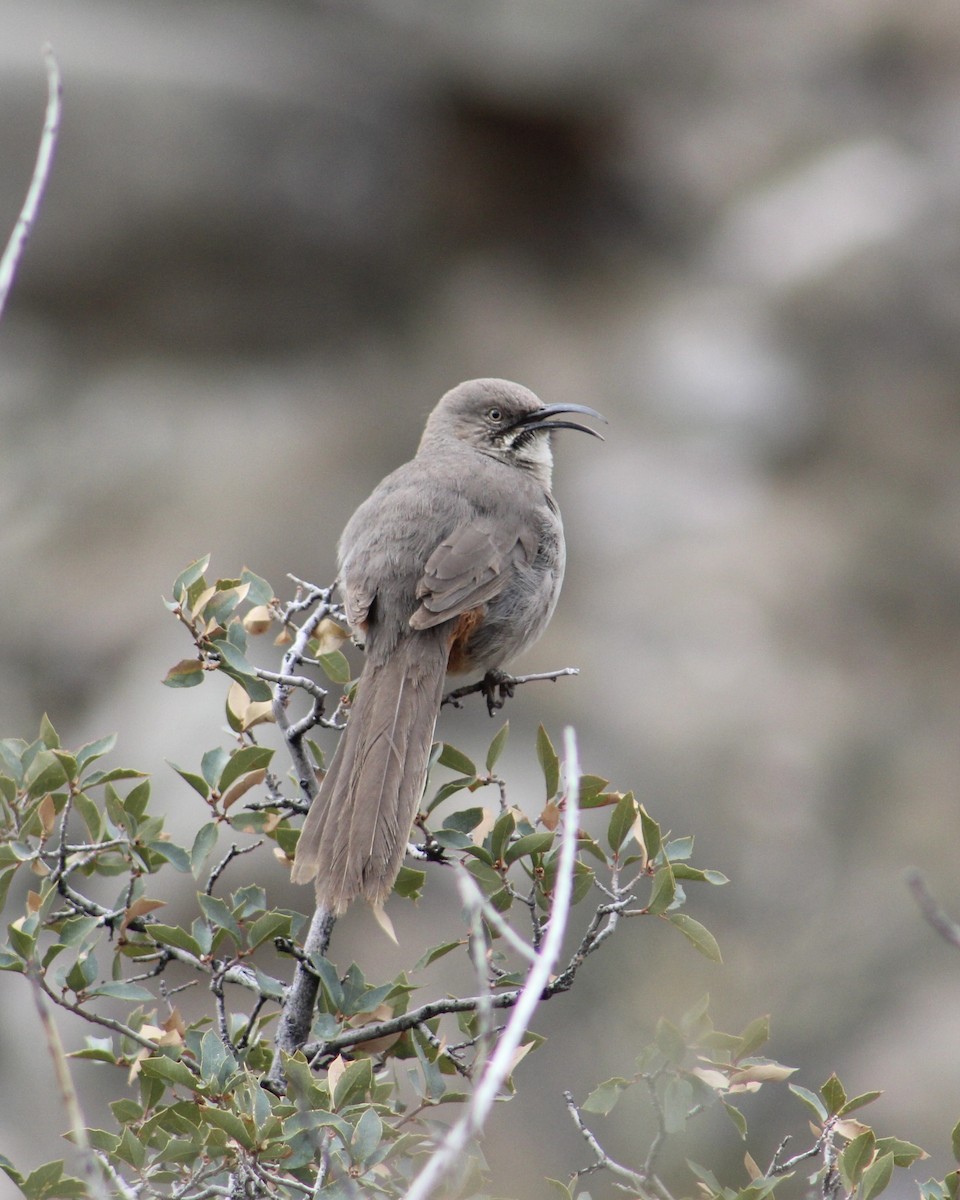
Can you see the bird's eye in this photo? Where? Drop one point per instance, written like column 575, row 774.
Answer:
column 494, row 414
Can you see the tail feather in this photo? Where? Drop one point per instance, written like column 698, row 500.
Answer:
column 355, row 834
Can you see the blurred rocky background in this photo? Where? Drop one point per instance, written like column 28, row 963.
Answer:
column 277, row 231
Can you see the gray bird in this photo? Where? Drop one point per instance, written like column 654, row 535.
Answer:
column 454, row 564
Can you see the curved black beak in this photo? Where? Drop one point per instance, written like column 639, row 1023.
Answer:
column 540, row 419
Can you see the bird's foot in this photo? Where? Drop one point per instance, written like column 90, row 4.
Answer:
column 498, row 687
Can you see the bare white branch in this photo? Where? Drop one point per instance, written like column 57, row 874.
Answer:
column 499, row 1064
column 41, row 173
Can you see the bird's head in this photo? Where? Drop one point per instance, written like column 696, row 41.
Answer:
column 504, row 420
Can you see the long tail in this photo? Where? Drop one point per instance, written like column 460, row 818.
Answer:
column 356, row 831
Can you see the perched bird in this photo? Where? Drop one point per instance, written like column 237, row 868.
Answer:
column 454, row 563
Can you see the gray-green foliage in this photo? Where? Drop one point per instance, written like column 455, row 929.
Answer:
column 85, row 857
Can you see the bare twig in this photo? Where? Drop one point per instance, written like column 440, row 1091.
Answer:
column 499, row 1064
column 562, row 982
column 41, row 173
column 68, row 1093
column 41, row 986
column 504, row 684
column 643, row 1184
column 507, row 932
column 934, row 914
column 234, row 852
column 223, row 1024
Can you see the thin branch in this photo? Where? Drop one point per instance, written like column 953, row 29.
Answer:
column 223, row 1024
column 507, row 932
column 596, row 934
column 501, row 1061
column 122, row 1187
column 934, row 914
column 41, row 173
column 68, row 1093
column 499, row 681
column 94, row 1018
column 784, row 1168
column 234, row 852
column 644, row 1184
column 296, row 1016
column 562, row 982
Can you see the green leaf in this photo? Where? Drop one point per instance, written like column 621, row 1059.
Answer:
column 409, row 883
column 203, row 843
column 560, row 1189
column 188, row 672
column 335, row 666
column 453, row 839
column 242, row 762
column 876, row 1177
column 621, row 821
column 173, row 935
column 260, row 591
column 856, row 1157
column 45, row 774
column 549, row 762
column 83, row 972
column 366, row 1137
column 197, row 782
column 354, row 1084
column 68, row 762
column 137, row 800
column 663, row 892
column 679, row 849
column 111, row 776
column 217, row 1064
column 436, row 952
column 701, row 937
column 49, row 1182
column 23, row 936
column 603, row 1098
column 650, row 832
column 231, row 1124
column 592, row 794
column 904, row 1153
column 859, row 1102
column 456, row 760
column 231, row 657
column 219, row 916
column 91, row 751
column 737, row 1117
column 212, row 763
column 756, row 1034
column 955, row 1141
column 677, row 1103
column 270, row 925
column 503, row 829
column 532, row 843
column 812, row 1101
column 833, row 1095
column 120, row 990
column 9, row 1169
column 496, row 746
column 178, row 858
column 48, row 735
column 670, row 1041
column 464, row 821
column 131, row 1150
column 171, row 1071
column 189, row 576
